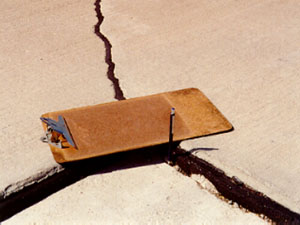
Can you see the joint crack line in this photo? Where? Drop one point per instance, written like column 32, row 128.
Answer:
column 119, row 95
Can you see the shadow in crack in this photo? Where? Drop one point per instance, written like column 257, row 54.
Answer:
column 119, row 95
column 202, row 149
column 233, row 189
column 76, row 171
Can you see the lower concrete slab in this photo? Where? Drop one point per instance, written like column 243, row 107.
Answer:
column 244, row 56
column 50, row 59
column 153, row 194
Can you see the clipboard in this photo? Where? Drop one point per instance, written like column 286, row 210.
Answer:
column 131, row 124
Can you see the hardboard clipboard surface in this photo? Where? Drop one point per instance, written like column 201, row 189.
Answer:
column 136, row 123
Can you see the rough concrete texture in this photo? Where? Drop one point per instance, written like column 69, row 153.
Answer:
column 243, row 55
column 155, row 194
column 50, row 59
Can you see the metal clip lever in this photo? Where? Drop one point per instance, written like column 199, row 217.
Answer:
column 60, row 126
column 171, row 133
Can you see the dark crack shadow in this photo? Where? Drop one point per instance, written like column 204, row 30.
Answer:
column 232, row 188
column 75, row 171
column 119, row 95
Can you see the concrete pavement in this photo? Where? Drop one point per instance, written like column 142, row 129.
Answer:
column 153, row 194
column 50, row 59
column 244, row 56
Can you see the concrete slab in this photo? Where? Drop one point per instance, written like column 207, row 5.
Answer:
column 152, row 194
column 50, row 62
column 50, row 59
column 243, row 55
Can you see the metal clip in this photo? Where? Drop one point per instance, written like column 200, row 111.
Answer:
column 59, row 126
column 48, row 138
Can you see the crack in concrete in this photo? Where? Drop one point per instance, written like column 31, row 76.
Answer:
column 119, row 95
column 15, row 188
column 37, row 178
column 231, row 189
column 76, row 171
column 234, row 189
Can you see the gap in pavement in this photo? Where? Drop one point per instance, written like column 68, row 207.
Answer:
column 75, row 171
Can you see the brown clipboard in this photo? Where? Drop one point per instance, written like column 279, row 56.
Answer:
column 137, row 123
